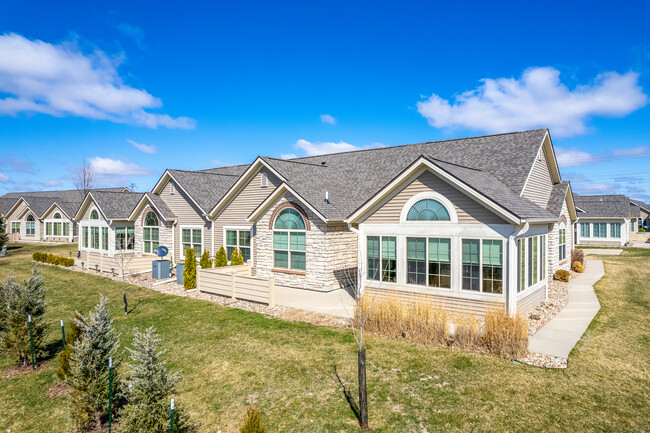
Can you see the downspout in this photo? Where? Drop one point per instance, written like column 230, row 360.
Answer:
column 359, row 262
column 511, row 290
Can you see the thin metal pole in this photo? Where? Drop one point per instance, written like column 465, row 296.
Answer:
column 110, row 393
column 31, row 339
column 63, row 334
column 171, row 419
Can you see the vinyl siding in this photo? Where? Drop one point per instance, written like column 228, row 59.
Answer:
column 530, row 301
column 187, row 213
column 539, row 185
column 451, row 304
column 245, row 202
column 468, row 210
column 89, row 208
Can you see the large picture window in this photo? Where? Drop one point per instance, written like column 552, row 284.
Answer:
column 30, row 225
column 289, row 240
column 428, row 262
column 615, row 230
column 382, row 255
column 192, row 238
column 124, row 238
column 600, row 230
column 585, row 230
column 239, row 239
column 151, row 233
column 428, row 210
column 471, row 265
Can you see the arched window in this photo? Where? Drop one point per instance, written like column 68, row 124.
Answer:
column 289, row 240
column 57, row 216
column 428, row 210
column 151, row 233
column 30, row 226
column 94, row 215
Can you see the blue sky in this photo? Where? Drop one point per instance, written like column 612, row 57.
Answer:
column 137, row 88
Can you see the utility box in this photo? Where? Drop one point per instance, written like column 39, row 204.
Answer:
column 161, row 269
column 179, row 273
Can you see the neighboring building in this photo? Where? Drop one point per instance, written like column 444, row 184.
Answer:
column 44, row 215
column 644, row 214
column 605, row 220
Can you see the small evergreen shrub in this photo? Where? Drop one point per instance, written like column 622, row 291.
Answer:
column 4, row 237
column 504, row 335
column 20, row 301
column 189, row 271
column 63, row 370
column 253, row 423
column 577, row 267
column 641, row 230
column 52, row 259
column 221, row 259
column 88, row 379
column 578, row 255
column 206, row 261
column 237, row 258
column 562, row 275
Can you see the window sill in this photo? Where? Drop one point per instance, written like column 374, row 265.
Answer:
column 289, row 271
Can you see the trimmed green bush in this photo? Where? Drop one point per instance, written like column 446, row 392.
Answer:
column 221, row 260
column 562, row 275
column 206, row 261
column 641, row 230
column 237, row 258
column 253, row 423
column 52, row 259
column 189, row 271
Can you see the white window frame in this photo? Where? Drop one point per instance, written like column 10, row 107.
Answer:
column 61, row 221
column 172, row 188
column 99, row 223
column 153, row 252
column 453, row 216
column 237, row 229
column 562, row 226
column 11, row 226
column 126, row 238
column 380, row 280
column 504, row 276
column 289, row 250
column 180, row 239
column 27, row 221
column 426, row 255
column 541, row 273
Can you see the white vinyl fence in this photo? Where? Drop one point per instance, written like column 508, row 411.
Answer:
column 236, row 282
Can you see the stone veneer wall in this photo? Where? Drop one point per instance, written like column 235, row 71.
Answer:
column 331, row 249
column 553, row 242
column 164, row 238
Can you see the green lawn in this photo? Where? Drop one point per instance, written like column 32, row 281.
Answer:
column 231, row 358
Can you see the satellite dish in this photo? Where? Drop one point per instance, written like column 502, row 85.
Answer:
column 161, row 251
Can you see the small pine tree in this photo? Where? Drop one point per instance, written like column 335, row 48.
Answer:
column 71, row 337
column 237, row 258
column 22, row 300
column 253, row 423
column 150, row 387
column 189, row 270
column 206, row 261
column 88, row 379
column 221, row 259
column 4, row 238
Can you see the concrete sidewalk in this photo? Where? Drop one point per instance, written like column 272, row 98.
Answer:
column 560, row 335
column 602, row 252
column 336, row 303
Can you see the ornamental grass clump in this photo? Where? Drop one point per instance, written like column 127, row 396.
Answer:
column 189, row 270
column 221, row 259
column 418, row 321
column 562, row 275
column 577, row 267
column 578, row 255
column 206, row 261
column 504, row 335
column 19, row 301
column 467, row 331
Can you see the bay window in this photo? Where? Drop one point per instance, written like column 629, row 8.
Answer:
column 289, row 240
column 240, row 239
column 94, row 238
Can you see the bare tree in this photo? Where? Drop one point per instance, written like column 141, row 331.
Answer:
column 84, row 178
column 360, row 318
column 123, row 258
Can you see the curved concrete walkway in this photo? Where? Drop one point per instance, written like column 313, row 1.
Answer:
column 559, row 336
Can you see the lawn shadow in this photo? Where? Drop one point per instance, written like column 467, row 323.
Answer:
column 52, row 350
column 348, row 396
column 134, row 307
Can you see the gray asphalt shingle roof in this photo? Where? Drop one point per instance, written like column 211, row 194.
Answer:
column 602, row 206
column 160, row 204
column 207, row 187
column 556, row 199
column 6, row 203
column 117, row 205
column 496, row 165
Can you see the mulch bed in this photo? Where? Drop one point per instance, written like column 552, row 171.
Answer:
column 20, row 370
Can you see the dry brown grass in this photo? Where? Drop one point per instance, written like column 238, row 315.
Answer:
column 419, row 321
column 504, row 335
column 467, row 331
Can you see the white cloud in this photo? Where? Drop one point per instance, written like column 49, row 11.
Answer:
column 598, row 187
column 569, row 158
column 104, row 167
column 288, row 156
column 142, row 147
column 4, row 178
column 217, row 163
column 537, row 100
column 632, row 152
column 326, row 118
column 60, row 80
column 52, row 182
column 312, row 149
